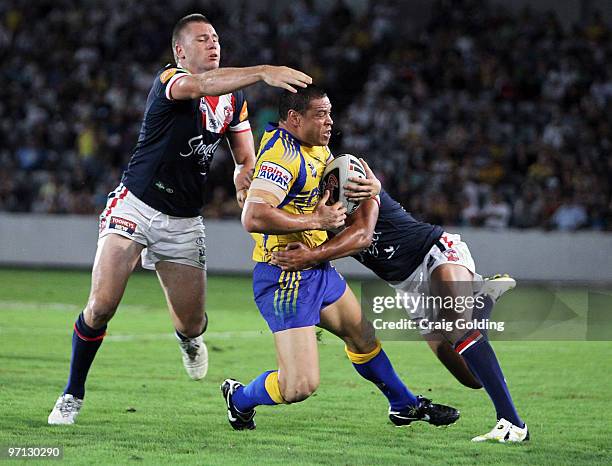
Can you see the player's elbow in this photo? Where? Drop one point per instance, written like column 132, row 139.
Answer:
column 252, row 219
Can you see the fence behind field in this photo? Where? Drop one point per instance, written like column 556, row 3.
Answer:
column 70, row 241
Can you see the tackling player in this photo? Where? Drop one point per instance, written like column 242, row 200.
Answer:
column 155, row 211
column 284, row 205
column 416, row 257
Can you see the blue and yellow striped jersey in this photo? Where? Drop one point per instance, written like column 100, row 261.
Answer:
column 297, row 170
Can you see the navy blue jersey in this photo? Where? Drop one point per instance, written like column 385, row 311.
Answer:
column 177, row 141
column 400, row 242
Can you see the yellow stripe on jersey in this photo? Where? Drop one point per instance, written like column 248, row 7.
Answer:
column 297, row 170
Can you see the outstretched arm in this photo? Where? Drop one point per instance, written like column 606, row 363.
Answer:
column 225, row 80
column 353, row 239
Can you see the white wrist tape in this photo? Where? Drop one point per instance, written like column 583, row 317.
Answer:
column 237, row 168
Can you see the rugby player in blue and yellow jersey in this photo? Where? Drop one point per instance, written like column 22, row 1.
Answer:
column 155, row 212
column 284, row 205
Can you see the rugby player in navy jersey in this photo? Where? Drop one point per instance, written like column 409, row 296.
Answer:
column 416, row 257
column 155, row 211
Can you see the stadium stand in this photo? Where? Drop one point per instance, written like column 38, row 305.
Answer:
column 480, row 117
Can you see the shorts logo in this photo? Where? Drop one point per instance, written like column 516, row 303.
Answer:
column 122, row 224
column 276, row 174
column 451, row 255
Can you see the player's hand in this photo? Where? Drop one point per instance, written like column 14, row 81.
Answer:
column 284, row 77
column 243, row 179
column 360, row 189
column 297, row 256
column 329, row 217
column 241, row 196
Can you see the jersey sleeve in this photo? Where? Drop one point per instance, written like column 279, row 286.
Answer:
column 279, row 165
column 166, row 79
column 240, row 121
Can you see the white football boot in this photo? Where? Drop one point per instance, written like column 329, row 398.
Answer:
column 497, row 285
column 65, row 411
column 195, row 357
column 505, row 432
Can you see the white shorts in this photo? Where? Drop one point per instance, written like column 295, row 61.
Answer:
column 166, row 238
column 449, row 249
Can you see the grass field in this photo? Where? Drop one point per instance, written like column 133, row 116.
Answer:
column 142, row 408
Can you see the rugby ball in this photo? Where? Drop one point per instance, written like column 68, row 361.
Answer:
column 336, row 175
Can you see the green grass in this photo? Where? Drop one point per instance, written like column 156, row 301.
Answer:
column 142, row 408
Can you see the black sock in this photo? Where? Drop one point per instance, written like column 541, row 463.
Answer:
column 85, row 344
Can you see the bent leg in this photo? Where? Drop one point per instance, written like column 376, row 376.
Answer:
column 454, row 363
column 345, row 319
column 184, row 287
column 296, row 379
column 473, row 346
column 115, row 260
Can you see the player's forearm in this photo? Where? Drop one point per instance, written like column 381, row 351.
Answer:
column 348, row 242
column 225, row 80
column 263, row 218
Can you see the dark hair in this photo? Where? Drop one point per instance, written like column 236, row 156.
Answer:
column 298, row 101
column 184, row 21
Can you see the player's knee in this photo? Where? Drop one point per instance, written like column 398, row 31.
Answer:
column 101, row 309
column 299, row 389
column 361, row 338
column 363, row 345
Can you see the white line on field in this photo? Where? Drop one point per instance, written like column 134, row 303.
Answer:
column 168, row 336
column 39, row 306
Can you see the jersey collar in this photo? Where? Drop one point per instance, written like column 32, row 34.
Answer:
column 274, row 126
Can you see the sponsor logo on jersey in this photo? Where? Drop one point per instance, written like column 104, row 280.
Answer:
column 204, row 152
column 275, row 173
column 166, row 75
column 121, row 224
column 162, row 187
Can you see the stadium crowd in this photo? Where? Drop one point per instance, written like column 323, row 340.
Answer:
column 480, row 117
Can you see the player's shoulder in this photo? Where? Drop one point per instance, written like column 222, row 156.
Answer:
column 278, row 145
column 165, row 74
column 165, row 79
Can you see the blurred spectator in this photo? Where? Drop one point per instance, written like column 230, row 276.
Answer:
column 496, row 213
column 569, row 216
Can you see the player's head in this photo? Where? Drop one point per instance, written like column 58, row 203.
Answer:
column 195, row 44
column 307, row 115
